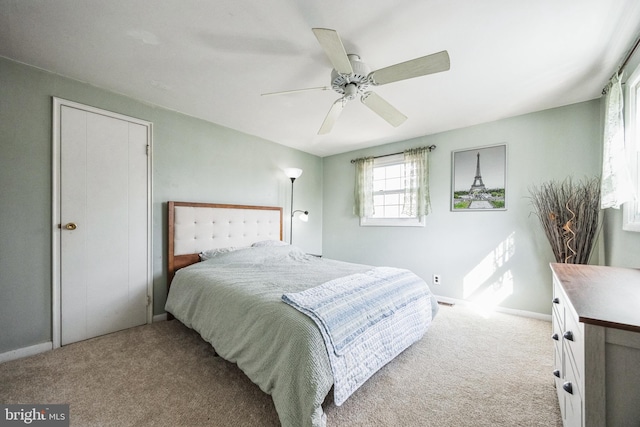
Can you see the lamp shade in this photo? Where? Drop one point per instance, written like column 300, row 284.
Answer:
column 293, row 172
column 304, row 216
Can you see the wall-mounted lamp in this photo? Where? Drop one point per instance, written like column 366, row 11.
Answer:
column 304, row 216
column 294, row 173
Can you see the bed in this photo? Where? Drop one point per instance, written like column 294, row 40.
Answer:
column 271, row 309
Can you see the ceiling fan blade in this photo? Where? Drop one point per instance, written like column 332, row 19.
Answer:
column 382, row 108
column 284, row 92
column 429, row 64
column 332, row 116
column 333, row 47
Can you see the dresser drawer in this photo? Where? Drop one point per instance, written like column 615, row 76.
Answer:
column 573, row 340
column 570, row 389
column 556, row 332
column 558, row 377
column 558, row 304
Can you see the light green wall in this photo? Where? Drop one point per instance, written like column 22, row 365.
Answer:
column 193, row 160
column 477, row 253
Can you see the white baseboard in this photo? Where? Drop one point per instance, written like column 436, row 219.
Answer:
column 522, row 313
column 46, row 346
column 159, row 317
column 26, row 351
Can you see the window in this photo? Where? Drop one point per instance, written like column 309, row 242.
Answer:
column 389, row 192
column 631, row 210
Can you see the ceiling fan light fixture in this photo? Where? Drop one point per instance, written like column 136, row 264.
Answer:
column 350, row 91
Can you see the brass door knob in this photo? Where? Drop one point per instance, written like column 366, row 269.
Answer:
column 71, row 226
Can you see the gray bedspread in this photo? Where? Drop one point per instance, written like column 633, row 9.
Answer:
column 234, row 302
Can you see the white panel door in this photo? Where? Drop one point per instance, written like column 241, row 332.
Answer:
column 104, row 224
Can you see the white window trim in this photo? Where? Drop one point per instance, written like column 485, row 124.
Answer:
column 631, row 209
column 391, row 222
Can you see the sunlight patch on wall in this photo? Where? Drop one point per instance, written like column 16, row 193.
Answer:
column 494, row 294
column 491, row 281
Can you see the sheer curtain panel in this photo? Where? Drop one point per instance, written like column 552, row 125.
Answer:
column 616, row 187
column 364, row 187
column 417, row 201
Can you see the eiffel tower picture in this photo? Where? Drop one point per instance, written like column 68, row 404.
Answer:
column 486, row 192
column 478, row 186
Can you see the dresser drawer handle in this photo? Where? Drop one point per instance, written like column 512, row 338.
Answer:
column 568, row 335
column 555, row 337
column 568, row 387
column 556, row 300
column 556, row 373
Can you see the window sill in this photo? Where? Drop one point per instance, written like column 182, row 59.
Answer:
column 629, row 223
column 392, row 222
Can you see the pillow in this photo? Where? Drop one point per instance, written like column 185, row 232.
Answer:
column 265, row 243
column 211, row 253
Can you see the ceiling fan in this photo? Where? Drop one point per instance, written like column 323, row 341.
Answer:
column 351, row 77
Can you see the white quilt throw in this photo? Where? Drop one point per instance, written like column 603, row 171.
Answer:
column 366, row 319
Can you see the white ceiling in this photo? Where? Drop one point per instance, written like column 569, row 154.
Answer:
column 214, row 59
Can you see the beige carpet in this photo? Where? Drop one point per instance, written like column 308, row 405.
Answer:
column 469, row 370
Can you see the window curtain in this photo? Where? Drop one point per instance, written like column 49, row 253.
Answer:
column 364, row 187
column 616, row 187
column 417, row 202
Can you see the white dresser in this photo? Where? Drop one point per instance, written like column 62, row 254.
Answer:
column 596, row 332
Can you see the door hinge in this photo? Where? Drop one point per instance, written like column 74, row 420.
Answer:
column 148, row 149
column 148, row 300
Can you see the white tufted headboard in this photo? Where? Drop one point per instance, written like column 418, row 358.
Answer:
column 195, row 227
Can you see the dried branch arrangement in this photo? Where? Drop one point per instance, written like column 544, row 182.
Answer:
column 569, row 213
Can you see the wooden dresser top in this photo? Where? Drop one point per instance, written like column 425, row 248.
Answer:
column 605, row 296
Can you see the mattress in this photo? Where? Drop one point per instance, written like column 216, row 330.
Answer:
column 234, row 301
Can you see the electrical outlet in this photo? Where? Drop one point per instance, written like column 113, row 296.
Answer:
column 436, row 279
